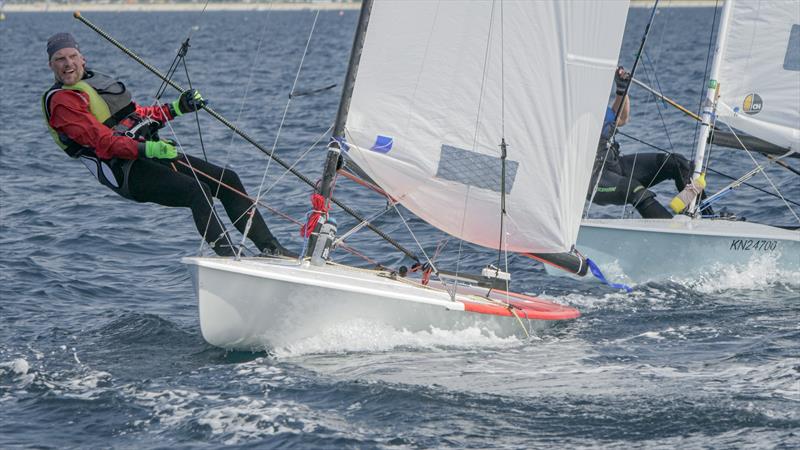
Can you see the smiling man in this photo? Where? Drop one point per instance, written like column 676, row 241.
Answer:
column 92, row 117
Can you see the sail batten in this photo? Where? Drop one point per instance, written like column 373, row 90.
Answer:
column 426, row 114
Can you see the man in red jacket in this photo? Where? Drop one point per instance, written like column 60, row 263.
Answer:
column 92, row 117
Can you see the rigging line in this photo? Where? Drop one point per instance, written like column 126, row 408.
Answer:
column 440, row 247
column 622, row 103
column 181, row 53
column 362, row 224
column 503, row 150
column 500, row 240
column 475, row 134
column 667, row 100
column 288, row 103
column 666, row 132
column 645, row 61
column 239, row 114
column 173, row 66
column 435, row 271
column 297, row 161
column 777, row 191
column 635, row 65
column 210, row 201
column 630, row 180
column 736, row 183
column 483, row 77
column 502, row 75
column 266, row 205
column 724, row 175
column 249, row 83
column 658, row 104
column 299, row 158
column 667, row 13
column 413, row 97
column 655, row 75
column 705, row 72
column 180, row 57
column 237, row 192
column 354, row 178
column 196, row 112
column 270, row 208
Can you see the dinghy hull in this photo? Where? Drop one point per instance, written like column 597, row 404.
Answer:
column 257, row 304
column 641, row 250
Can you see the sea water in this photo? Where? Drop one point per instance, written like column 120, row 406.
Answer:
column 99, row 337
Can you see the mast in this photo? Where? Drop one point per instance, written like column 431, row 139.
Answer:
column 710, row 100
column 320, row 228
column 337, row 136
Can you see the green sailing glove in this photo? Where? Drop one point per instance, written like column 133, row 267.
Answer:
column 157, row 150
column 190, row 100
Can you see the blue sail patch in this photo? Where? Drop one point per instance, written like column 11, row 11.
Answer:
column 382, row 144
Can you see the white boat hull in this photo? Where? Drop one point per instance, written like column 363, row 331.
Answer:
column 258, row 303
column 640, row 250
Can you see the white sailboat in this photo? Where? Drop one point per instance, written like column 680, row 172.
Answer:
column 754, row 87
column 458, row 110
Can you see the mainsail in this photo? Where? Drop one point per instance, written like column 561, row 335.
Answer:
column 440, row 84
column 759, row 75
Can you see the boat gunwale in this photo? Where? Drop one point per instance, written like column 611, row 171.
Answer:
column 696, row 227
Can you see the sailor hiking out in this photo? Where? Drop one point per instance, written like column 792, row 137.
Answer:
column 92, row 117
column 625, row 179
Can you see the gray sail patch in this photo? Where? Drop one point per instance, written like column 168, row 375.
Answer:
column 475, row 169
column 792, row 59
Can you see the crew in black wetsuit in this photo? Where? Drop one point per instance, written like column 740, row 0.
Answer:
column 92, row 118
column 627, row 178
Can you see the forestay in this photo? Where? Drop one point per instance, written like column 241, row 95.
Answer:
column 440, row 83
column 759, row 72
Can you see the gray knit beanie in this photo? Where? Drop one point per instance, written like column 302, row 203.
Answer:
column 59, row 41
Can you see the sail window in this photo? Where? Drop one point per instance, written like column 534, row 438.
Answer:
column 474, row 169
column 792, row 59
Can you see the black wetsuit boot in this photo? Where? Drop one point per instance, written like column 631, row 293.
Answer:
column 644, row 201
column 649, row 208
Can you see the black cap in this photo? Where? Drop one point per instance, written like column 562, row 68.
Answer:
column 59, row 41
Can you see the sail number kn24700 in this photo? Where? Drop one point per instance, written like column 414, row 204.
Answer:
column 753, row 244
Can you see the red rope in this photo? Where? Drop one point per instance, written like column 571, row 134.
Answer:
column 319, row 208
column 426, row 271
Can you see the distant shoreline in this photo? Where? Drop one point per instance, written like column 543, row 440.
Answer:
column 164, row 7
column 334, row 6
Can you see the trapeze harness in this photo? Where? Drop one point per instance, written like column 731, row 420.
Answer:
column 110, row 103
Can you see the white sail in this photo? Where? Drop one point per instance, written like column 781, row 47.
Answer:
column 759, row 76
column 440, row 83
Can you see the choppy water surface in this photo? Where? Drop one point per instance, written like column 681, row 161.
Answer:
column 100, row 343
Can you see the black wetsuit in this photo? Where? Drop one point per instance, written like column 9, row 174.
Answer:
column 625, row 178
column 170, row 183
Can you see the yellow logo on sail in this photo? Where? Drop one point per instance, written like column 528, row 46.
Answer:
column 752, row 104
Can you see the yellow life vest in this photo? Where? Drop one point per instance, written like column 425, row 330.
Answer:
column 109, row 103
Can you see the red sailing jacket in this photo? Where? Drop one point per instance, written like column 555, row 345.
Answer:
column 70, row 115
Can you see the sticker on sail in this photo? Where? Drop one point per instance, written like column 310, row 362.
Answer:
column 382, row 144
column 752, row 104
